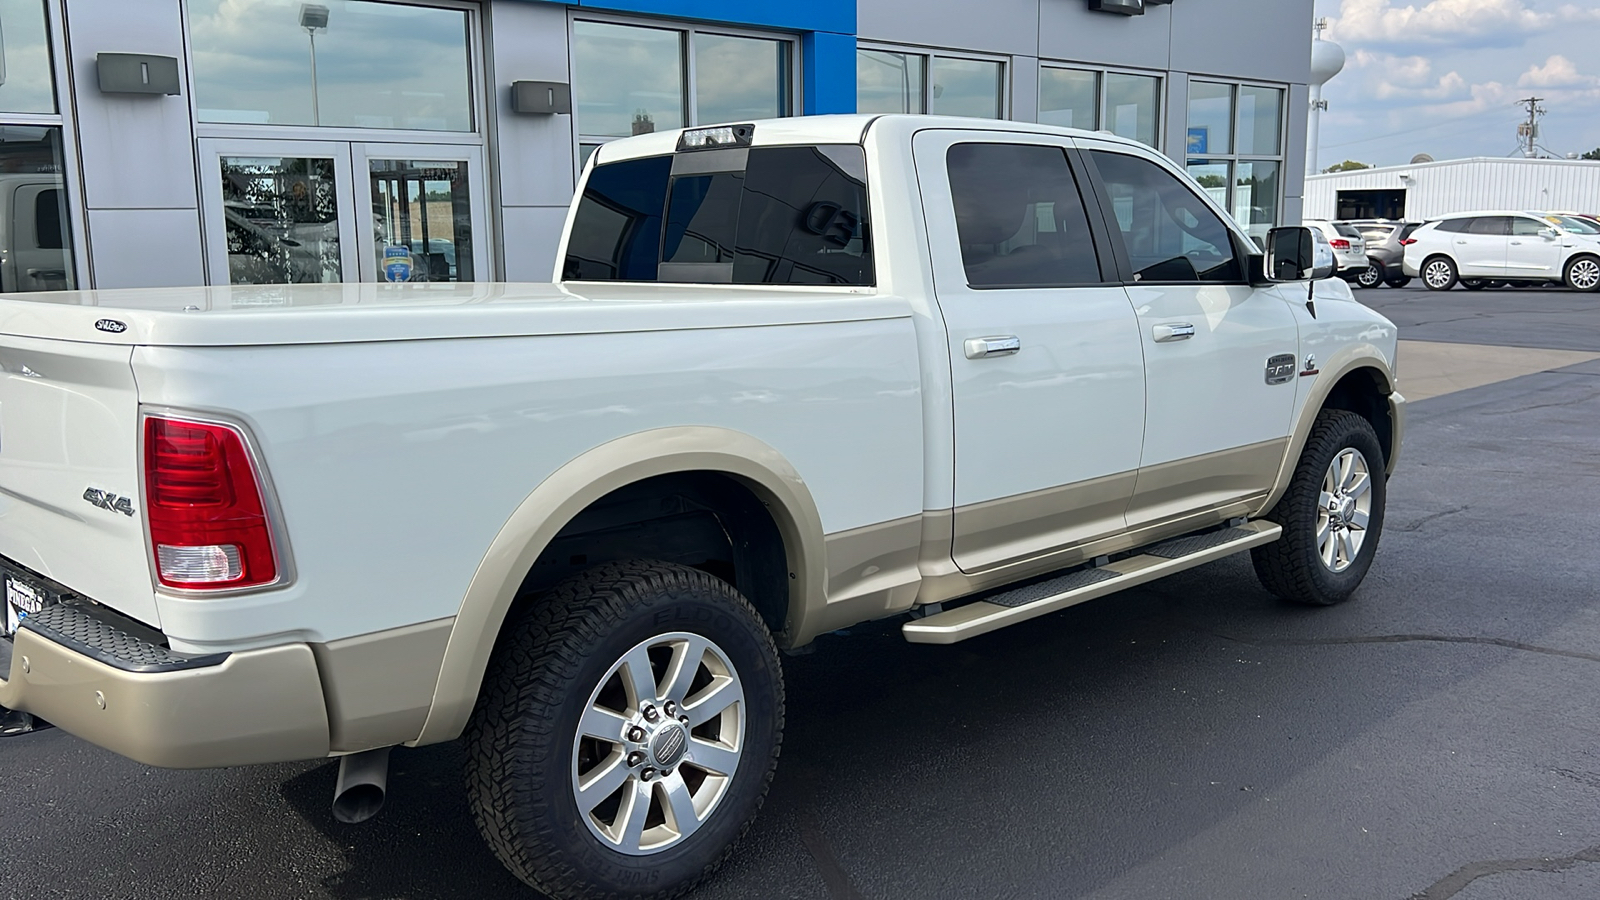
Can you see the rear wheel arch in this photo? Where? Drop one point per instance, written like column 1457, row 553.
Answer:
column 733, row 468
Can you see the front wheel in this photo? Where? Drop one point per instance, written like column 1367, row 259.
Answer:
column 1582, row 274
column 1331, row 513
column 627, row 731
column 1371, row 276
column 1439, row 274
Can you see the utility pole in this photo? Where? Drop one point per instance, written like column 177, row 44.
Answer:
column 1529, row 130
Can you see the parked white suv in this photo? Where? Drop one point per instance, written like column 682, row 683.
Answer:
column 1478, row 248
column 1349, row 247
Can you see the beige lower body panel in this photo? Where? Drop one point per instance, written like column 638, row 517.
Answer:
column 1172, row 489
column 379, row 687
column 257, row 706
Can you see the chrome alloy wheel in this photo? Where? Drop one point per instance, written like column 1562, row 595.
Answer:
column 1371, row 276
column 1584, row 275
column 659, row 743
column 1343, row 510
column 1436, row 274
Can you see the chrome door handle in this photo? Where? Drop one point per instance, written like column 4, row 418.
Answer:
column 1006, row 345
column 1178, row 332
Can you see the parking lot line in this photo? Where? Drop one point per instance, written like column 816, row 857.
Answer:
column 1431, row 369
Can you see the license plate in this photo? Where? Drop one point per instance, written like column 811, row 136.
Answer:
column 22, row 601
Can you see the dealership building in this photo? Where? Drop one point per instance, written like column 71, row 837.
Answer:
column 172, row 142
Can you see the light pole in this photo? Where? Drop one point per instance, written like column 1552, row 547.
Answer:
column 314, row 18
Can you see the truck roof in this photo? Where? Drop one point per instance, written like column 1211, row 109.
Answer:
column 834, row 129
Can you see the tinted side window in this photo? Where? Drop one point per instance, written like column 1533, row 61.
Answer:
column 804, row 217
column 1020, row 218
column 1453, row 226
column 1170, row 233
column 1407, row 229
column 1523, row 226
column 1497, row 225
column 616, row 235
column 793, row 215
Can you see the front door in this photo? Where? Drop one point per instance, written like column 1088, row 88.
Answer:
column 1046, row 366
column 295, row 212
column 1218, row 401
column 1535, row 249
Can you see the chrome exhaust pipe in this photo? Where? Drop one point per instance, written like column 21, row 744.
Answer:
column 363, row 783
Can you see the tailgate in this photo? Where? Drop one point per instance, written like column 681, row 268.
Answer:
column 69, row 469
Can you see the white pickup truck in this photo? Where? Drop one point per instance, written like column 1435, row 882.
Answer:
column 792, row 376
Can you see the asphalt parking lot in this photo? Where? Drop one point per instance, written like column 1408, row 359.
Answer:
column 1435, row 737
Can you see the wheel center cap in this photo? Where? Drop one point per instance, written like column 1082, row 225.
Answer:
column 668, row 746
column 1347, row 508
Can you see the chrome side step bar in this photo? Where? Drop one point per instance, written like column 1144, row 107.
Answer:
column 1158, row 560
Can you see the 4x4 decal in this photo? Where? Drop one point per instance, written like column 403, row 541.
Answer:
column 109, row 501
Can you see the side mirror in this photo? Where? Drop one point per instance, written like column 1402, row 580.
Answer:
column 1549, row 234
column 1292, row 256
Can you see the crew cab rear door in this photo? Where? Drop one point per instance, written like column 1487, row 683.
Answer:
column 1046, row 366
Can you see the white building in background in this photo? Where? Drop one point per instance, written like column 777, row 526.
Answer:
column 1428, row 190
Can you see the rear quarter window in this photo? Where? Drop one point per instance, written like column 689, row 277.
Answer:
column 791, row 215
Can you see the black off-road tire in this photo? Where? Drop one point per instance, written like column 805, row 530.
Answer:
column 548, row 663
column 1291, row 567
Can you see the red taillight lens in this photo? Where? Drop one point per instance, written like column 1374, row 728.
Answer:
column 203, row 498
column 1340, row 244
column 1406, row 242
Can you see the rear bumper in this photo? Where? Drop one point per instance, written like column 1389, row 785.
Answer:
column 116, row 690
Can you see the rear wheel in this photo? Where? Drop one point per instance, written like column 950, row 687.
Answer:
column 1583, row 273
column 1331, row 513
column 1371, row 276
column 627, row 730
column 1439, row 274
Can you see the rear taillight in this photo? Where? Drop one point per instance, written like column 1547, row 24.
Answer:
column 208, row 522
column 1406, row 242
column 1340, row 244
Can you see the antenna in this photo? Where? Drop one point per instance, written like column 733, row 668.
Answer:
column 1529, row 131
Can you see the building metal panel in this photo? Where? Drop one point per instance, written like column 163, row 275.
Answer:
column 1439, row 188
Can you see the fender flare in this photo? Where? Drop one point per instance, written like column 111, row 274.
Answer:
column 571, row 489
column 1342, row 363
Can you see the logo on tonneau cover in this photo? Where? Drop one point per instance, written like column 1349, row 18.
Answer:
column 109, row 501
column 111, row 325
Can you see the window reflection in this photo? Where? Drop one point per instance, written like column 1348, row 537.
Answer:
column 889, row 82
column 281, row 218
column 1260, row 114
column 738, row 79
column 374, row 65
column 966, row 87
column 629, row 80
column 1210, row 117
column 1132, row 104
column 27, row 84
column 422, row 219
column 1069, row 98
column 36, row 233
column 1255, row 198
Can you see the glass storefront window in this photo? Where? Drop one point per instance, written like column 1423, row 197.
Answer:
column 1210, row 117
column 1212, row 175
column 424, row 209
column 1069, row 98
column 889, row 82
column 350, row 63
column 1255, row 197
column 281, row 219
column 629, row 80
column 1260, row 120
column 36, row 232
column 738, row 79
column 966, row 87
column 26, row 81
column 1133, row 105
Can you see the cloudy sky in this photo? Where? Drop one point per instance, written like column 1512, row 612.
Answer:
column 1443, row 76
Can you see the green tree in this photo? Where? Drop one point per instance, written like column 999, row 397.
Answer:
column 1348, row 165
column 1212, row 181
column 1593, row 154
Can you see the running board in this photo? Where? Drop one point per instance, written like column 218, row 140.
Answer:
column 1155, row 561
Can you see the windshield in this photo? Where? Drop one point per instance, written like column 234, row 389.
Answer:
column 1577, row 225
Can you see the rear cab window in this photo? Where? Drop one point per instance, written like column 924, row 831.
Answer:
column 757, row 215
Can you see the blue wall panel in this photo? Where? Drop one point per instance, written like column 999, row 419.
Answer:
column 828, row 62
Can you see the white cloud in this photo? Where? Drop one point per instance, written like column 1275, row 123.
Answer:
column 1391, row 77
column 1452, row 22
column 1558, row 72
